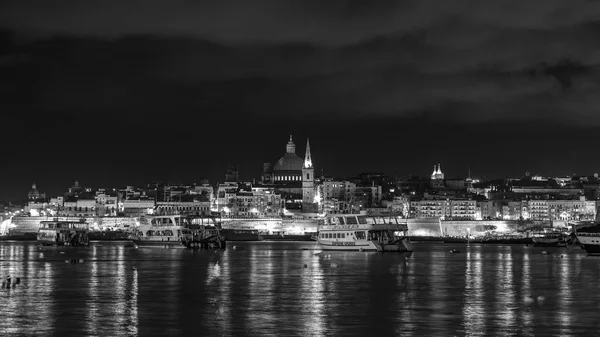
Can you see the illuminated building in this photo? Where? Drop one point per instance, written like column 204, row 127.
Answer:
column 444, row 209
column 437, row 177
column 293, row 178
column 34, row 193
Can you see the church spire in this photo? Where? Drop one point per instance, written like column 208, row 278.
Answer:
column 307, row 158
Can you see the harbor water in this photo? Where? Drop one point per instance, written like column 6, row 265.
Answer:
column 293, row 289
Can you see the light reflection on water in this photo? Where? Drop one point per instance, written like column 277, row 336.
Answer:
column 264, row 289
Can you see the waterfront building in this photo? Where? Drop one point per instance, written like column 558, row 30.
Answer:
column 106, row 204
column 225, row 195
column 73, row 206
column 566, row 210
column 257, row 202
column 444, row 209
column 193, row 207
column 138, row 207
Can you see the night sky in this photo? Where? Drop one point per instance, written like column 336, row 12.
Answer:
column 117, row 92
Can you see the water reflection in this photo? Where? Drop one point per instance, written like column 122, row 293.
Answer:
column 564, row 296
column 526, row 311
column 266, row 290
column 93, row 297
column 473, row 308
column 505, row 293
column 313, row 300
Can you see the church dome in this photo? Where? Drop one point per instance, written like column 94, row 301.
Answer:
column 289, row 162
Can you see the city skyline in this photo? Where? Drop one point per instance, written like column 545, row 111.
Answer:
column 99, row 172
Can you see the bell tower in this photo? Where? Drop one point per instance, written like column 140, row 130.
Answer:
column 308, row 179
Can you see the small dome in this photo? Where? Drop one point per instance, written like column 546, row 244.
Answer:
column 289, row 162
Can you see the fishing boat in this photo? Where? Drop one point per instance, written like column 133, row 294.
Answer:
column 63, row 233
column 358, row 232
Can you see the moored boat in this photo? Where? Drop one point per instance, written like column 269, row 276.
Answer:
column 63, row 233
column 241, row 234
column 589, row 238
column 357, row 232
column 551, row 239
column 174, row 231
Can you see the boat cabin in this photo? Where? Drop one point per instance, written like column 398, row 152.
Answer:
column 64, row 233
column 362, row 228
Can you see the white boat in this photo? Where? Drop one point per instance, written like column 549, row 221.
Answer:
column 167, row 231
column 589, row 238
column 176, row 231
column 63, row 233
column 357, row 232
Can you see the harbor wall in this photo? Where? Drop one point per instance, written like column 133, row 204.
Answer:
column 424, row 227
column 437, row 227
column 31, row 224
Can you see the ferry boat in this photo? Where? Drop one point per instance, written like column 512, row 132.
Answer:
column 589, row 238
column 174, row 231
column 357, row 232
column 63, row 233
column 551, row 239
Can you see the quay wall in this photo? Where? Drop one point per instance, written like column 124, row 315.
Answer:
column 437, row 227
column 31, row 224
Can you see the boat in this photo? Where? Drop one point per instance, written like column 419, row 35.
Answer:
column 589, row 238
column 358, row 232
column 240, row 234
column 28, row 236
column 288, row 237
column 174, row 231
column 63, row 233
column 550, row 239
column 108, row 235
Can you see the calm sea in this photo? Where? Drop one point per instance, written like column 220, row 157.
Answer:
column 291, row 289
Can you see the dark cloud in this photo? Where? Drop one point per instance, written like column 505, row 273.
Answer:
column 262, row 65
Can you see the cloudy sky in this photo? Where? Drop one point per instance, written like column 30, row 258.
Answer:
column 111, row 92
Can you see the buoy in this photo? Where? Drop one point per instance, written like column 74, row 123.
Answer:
column 62, row 252
column 454, row 251
column 541, row 299
column 234, row 247
column 544, row 252
column 529, row 300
